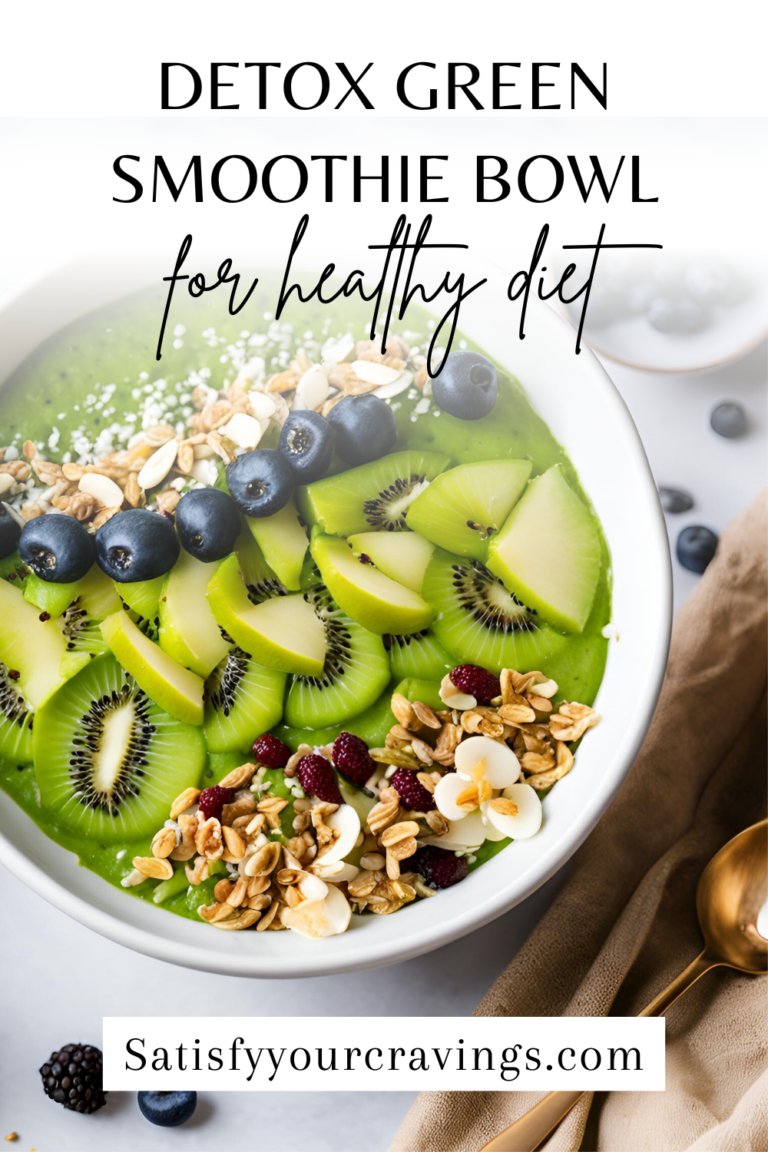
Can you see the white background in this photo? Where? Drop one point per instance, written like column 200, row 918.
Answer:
column 59, row 980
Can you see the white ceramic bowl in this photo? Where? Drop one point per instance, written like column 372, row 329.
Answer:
column 587, row 415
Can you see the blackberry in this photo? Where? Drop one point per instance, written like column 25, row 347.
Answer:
column 73, row 1077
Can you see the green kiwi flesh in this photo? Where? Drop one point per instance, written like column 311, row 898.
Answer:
column 355, row 671
column 373, row 497
column 480, row 622
column 15, row 721
column 420, row 655
column 242, row 700
column 109, row 762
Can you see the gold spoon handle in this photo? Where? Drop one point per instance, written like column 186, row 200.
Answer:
column 527, row 1132
column 680, row 984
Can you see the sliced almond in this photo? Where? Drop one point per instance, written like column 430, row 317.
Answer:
column 105, row 492
column 261, row 406
column 387, row 391
column 372, row 373
column 318, row 918
column 312, row 389
column 452, row 697
column 243, row 430
column 158, row 466
column 346, row 822
column 339, row 350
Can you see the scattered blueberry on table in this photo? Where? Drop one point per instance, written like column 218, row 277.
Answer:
column 675, row 500
column 696, row 546
column 167, row 1109
column 728, row 419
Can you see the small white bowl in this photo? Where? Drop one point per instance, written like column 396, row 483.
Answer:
column 587, row 415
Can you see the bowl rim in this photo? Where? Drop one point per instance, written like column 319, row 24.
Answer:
column 492, row 903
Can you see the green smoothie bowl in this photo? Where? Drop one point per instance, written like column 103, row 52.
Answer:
column 311, row 660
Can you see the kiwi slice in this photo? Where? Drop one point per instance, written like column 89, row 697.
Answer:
column 242, row 700
column 15, row 721
column 109, row 763
column 420, row 655
column 374, row 497
column 355, row 670
column 95, row 591
column 372, row 725
column 480, row 622
column 463, row 506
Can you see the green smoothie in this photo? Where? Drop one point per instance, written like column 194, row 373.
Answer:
column 89, row 389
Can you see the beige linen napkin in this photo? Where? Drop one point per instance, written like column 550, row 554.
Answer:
column 624, row 924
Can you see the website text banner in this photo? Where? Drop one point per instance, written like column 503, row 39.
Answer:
column 390, row 1054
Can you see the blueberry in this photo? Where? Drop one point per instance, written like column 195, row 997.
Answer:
column 728, row 419
column 467, row 386
column 696, row 547
column 57, row 548
column 365, row 429
column 10, row 530
column 261, row 482
column 307, row 441
column 136, row 545
column 675, row 500
column 167, row 1109
column 208, row 523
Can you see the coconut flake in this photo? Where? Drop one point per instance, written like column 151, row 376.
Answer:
column 205, row 472
column 526, row 821
column 480, row 758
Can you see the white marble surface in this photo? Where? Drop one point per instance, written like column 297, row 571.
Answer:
column 59, row 979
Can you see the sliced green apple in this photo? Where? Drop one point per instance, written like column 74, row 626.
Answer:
column 280, row 631
column 462, row 507
column 188, row 629
column 365, row 594
column 548, row 552
column 283, row 540
column 173, row 687
column 403, row 556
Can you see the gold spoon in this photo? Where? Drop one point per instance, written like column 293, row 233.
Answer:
column 731, row 892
